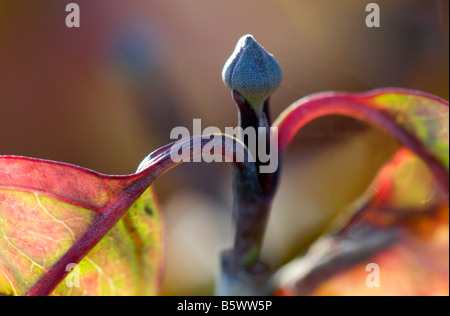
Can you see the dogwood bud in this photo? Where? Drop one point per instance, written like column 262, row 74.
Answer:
column 252, row 72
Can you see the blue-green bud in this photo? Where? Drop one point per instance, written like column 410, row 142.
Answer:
column 253, row 72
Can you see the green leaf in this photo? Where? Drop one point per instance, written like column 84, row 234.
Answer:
column 423, row 116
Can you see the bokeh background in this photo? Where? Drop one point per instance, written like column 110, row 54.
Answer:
column 105, row 95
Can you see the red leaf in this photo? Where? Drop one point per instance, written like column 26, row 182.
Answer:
column 404, row 227
column 52, row 215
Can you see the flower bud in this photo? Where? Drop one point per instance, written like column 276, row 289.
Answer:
column 253, row 72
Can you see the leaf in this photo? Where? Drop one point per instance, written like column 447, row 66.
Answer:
column 128, row 260
column 405, row 234
column 55, row 217
column 403, row 227
column 51, row 214
column 419, row 121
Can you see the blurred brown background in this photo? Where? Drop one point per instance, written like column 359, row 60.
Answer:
column 105, row 95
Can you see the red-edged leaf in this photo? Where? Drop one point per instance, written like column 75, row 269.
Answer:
column 416, row 209
column 54, row 215
column 418, row 120
column 404, row 228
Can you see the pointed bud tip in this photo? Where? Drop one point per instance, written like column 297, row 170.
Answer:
column 246, row 41
column 252, row 71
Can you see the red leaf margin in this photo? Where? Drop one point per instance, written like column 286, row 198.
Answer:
column 358, row 106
